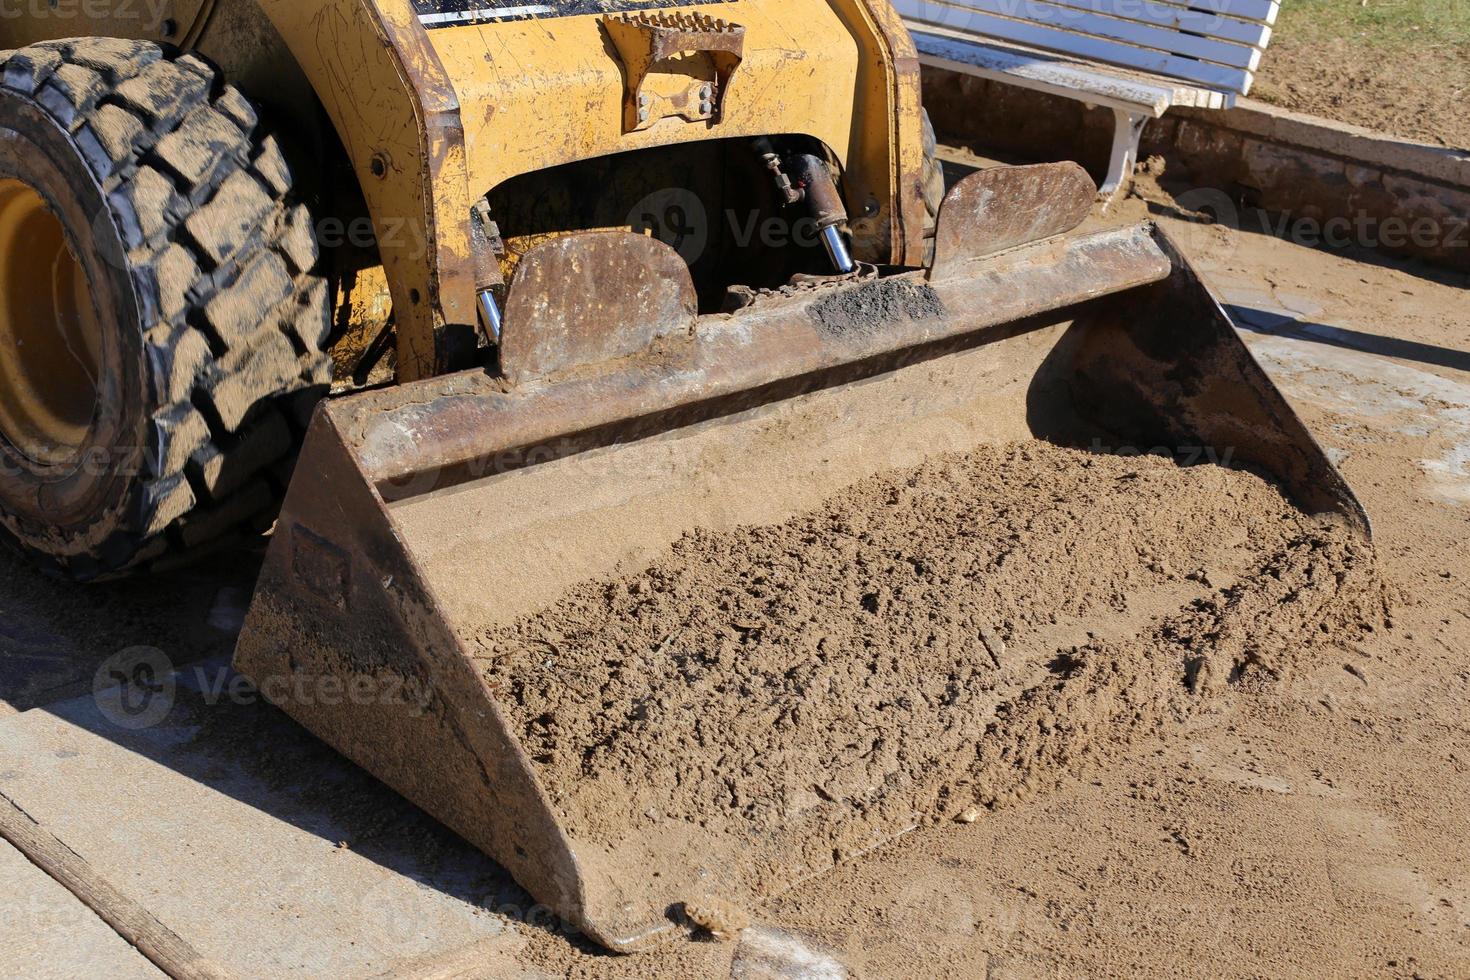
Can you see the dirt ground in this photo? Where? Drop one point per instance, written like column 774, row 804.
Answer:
column 1313, row 823
column 1397, row 66
column 1309, row 829
column 1336, row 79
column 1314, row 826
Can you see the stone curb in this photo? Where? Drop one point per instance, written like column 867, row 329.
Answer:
column 1333, row 183
column 1365, row 147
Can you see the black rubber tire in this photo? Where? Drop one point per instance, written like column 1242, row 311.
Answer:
column 934, row 189
column 179, row 208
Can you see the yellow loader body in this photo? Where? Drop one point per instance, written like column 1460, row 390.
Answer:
column 588, row 221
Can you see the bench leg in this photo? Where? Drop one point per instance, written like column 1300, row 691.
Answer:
column 1127, row 134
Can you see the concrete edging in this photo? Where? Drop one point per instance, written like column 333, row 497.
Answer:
column 1331, row 183
column 1366, row 147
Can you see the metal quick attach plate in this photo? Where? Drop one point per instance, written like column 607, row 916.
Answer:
column 456, row 13
column 675, row 64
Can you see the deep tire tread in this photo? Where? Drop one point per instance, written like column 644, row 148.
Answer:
column 204, row 201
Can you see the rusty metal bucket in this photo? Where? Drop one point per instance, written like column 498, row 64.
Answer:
column 424, row 515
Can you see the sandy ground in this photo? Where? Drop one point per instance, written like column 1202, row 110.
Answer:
column 1312, row 825
column 1396, row 66
column 1419, row 98
column 1315, row 827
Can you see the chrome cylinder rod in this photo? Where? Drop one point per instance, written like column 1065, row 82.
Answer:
column 490, row 313
column 837, row 249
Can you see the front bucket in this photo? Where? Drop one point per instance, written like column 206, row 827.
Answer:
column 431, row 530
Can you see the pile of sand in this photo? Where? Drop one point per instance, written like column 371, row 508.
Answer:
column 926, row 641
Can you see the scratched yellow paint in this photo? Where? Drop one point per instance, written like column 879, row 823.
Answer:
column 432, row 120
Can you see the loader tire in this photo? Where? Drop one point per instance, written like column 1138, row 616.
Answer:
column 933, row 184
column 161, row 316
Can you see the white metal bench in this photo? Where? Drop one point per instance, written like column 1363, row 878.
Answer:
column 1136, row 57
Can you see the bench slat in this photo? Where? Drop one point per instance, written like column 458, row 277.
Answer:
column 1263, row 11
column 1054, row 74
column 1091, row 24
column 1093, row 48
column 1161, row 13
column 1255, row 11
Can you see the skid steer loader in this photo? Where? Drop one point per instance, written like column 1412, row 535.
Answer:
column 583, row 275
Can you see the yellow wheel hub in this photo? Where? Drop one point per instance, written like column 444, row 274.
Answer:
column 50, row 339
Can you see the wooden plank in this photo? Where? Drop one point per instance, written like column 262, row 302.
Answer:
column 1092, row 24
column 1264, row 11
column 47, row 933
column 1093, row 49
column 255, row 866
column 1162, row 14
column 129, row 919
column 1237, row 11
column 1056, row 76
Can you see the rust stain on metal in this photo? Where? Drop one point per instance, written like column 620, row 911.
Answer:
column 591, row 298
column 1005, row 207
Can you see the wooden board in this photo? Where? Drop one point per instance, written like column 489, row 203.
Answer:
column 1042, row 72
column 131, row 921
column 1219, row 50
column 47, row 933
column 1258, row 11
column 1164, row 13
column 1264, row 11
column 1074, row 16
column 260, row 849
column 1092, row 25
